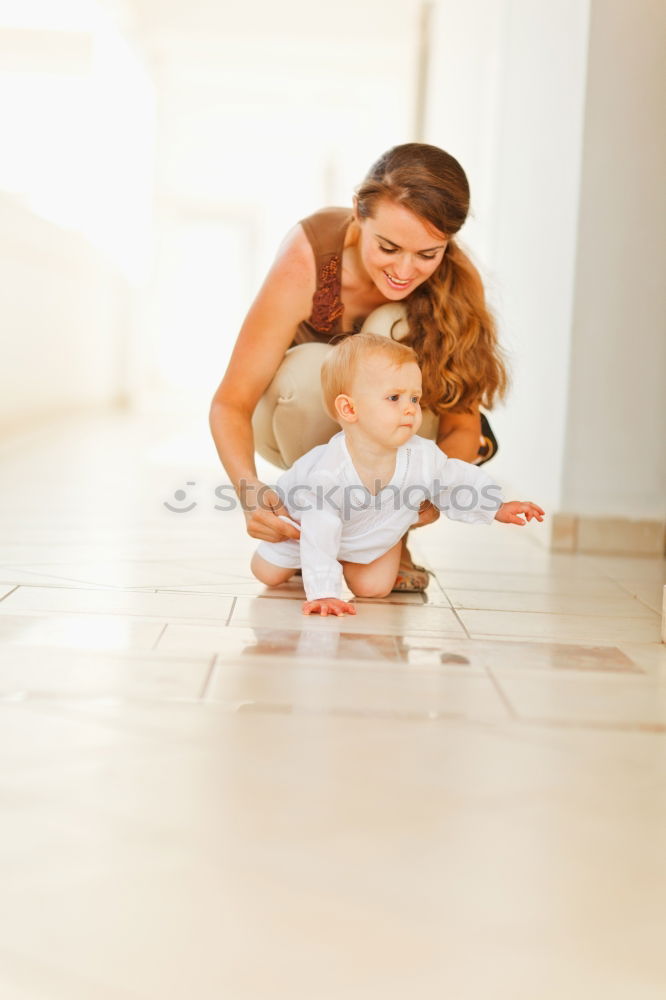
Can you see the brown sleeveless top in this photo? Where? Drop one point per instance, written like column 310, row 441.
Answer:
column 326, row 231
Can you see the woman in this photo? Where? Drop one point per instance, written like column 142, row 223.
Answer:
column 391, row 266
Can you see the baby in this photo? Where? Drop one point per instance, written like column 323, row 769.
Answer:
column 356, row 496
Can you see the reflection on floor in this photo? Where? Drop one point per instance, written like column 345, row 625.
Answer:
column 207, row 794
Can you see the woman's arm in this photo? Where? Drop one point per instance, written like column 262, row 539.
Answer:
column 459, row 435
column 284, row 301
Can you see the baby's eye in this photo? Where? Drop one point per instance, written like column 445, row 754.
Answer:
column 416, row 399
column 394, row 397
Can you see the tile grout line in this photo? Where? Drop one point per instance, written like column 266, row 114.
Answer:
column 231, row 611
column 68, row 579
column 635, row 597
column 491, row 677
column 12, row 591
column 455, row 610
column 571, row 614
column 209, row 675
column 646, row 605
column 458, row 618
column 501, row 694
column 154, row 646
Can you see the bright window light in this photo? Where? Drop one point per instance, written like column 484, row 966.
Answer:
column 77, row 120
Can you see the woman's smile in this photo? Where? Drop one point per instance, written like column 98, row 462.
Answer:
column 396, row 282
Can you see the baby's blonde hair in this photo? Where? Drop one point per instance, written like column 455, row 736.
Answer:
column 339, row 367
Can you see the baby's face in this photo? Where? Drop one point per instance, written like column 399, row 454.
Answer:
column 387, row 400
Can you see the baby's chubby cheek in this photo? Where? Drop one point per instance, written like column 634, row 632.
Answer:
column 418, row 420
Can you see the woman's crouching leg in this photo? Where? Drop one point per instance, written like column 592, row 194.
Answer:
column 290, row 419
column 374, row 579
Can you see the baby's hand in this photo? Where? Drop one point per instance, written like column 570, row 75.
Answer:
column 328, row 606
column 509, row 512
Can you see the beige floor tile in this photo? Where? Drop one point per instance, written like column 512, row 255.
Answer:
column 564, row 604
column 309, row 645
column 236, row 643
column 651, row 594
column 362, row 691
column 291, row 858
column 228, row 566
column 573, row 697
column 110, row 602
column 477, row 654
column 99, row 632
column 31, row 979
column 650, row 658
column 531, row 563
column 124, row 574
column 563, row 628
column 464, row 555
column 371, row 617
column 185, row 638
column 86, row 673
column 533, row 583
column 20, row 576
column 241, row 588
column 643, row 568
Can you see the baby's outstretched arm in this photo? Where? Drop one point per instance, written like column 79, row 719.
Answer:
column 328, row 606
column 510, row 512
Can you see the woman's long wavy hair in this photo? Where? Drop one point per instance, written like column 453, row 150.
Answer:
column 450, row 327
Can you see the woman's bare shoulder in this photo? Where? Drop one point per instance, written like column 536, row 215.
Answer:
column 295, row 258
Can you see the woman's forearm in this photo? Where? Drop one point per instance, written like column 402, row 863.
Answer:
column 234, row 440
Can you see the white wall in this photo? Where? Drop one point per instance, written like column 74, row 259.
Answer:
column 507, row 98
column 75, row 207
column 616, row 435
column 265, row 114
column 63, row 310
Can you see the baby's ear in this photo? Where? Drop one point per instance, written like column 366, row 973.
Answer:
column 345, row 409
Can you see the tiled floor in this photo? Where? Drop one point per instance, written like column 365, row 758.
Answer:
column 206, row 794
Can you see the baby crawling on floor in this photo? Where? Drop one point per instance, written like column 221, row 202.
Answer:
column 354, row 498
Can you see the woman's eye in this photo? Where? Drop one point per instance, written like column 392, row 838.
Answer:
column 423, row 256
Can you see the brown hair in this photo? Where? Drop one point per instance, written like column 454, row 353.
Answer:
column 450, row 327
column 340, row 364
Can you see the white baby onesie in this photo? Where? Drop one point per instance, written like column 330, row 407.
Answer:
column 341, row 520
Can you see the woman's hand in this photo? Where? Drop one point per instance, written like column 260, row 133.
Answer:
column 509, row 512
column 328, row 606
column 264, row 512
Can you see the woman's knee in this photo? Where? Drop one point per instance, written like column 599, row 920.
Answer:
column 290, row 418
column 389, row 320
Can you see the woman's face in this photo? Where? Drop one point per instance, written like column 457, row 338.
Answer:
column 398, row 249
